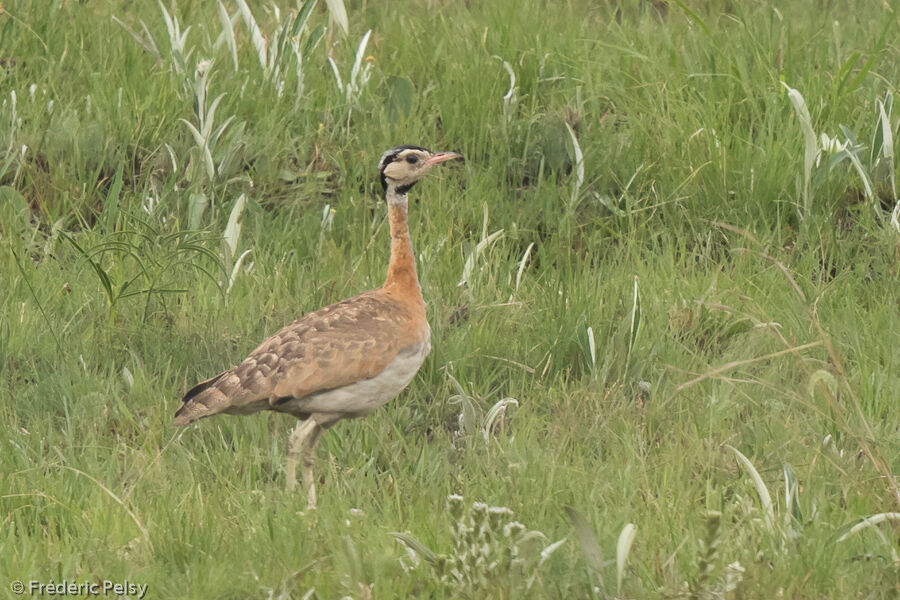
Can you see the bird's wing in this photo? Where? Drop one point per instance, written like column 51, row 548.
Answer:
column 335, row 346
column 355, row 340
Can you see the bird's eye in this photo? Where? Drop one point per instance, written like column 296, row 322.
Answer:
column 412, row 159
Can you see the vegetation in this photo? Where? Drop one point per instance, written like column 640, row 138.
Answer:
column 663, row 291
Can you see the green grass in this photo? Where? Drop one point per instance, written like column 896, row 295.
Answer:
column 767, row 323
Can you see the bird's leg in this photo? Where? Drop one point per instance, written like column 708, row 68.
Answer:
column 294, row 447
column 307, row 461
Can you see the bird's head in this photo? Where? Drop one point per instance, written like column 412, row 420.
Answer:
column 403, row 166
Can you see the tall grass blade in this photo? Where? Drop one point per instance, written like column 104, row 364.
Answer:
column 197, row 203
column 339, row 14
column 865, row 523
column 579, row 165
column 214, row 138
column 845, row 71
column 592, row 350
column 111, row 205
column 589, row 545
column 358, row 74
column 171, row 27
column 140, row 525
column 337, row 74
column 548, row 550
column 811, row 144
column 256, row 36
column 233, row 229
column 102, row 275
column 636, row 316
column 312, row 40
column 150, row 39
column 791, row 496
column 37, row 300
column 235, row 269
column 623, row 548
column 870, row 523
column 765, row 499
column 228, row 32
column 354, row 561
column 480, row 248
column 694, row 16
column 521, row 270
column 873, row 56
column 456, row 385
column 210, row 117
column 128, row 378
column 885, row 145
column 468, row 414
column 867, row 184
column 303, row 17
column 204, row 150
column 510, row 97
column 824, row 378
column 496, row 412
column 4, row 343
column 545, row 554
column 146, row 42
column 415, row 545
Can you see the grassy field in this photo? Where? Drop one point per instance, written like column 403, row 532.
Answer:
column 691, row 295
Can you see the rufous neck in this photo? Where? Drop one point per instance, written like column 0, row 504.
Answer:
column 402, row 268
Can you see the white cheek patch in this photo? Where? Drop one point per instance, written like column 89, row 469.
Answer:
column 393, row 171
column 401, row 172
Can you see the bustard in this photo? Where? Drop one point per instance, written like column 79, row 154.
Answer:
column 344, row 360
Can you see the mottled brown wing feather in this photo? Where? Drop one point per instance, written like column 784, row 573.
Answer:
column 335, row 346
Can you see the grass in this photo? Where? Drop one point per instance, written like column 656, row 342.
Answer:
column 701, row 342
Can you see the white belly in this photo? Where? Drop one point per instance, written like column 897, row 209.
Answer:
column 361, row 398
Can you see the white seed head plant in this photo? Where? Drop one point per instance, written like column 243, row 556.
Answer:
column 492, row 554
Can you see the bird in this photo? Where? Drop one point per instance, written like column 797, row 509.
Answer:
column 344, row 360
